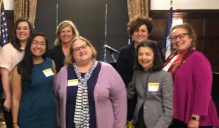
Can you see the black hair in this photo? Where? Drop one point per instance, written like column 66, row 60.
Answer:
column 25, row 66
column 157, row 63
column 15, row 42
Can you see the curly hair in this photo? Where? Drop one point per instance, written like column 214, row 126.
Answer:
column 137, row 21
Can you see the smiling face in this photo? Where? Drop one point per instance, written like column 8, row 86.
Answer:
column 145, row 57
column 180, row 39
column 23, row 31
column 66, row 34
column 140, row 34
column 82, row 52
column 38, row 46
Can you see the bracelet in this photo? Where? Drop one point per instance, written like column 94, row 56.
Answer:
column 194, row 118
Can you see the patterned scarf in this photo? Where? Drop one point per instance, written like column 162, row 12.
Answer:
column 180, row 59
column 82, row 117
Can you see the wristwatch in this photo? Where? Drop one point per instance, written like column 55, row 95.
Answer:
column 194, row 118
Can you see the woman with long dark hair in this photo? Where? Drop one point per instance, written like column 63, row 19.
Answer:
column 11, row 54
column 33, row 104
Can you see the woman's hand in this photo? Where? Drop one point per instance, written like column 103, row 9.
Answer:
column 7, row 105
column 193, row 124
column 15, row 126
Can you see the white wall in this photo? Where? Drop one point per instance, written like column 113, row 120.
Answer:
column 9, row 4
column 184, row 4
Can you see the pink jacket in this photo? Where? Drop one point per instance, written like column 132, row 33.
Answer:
column 110, row 98
column 192, row 91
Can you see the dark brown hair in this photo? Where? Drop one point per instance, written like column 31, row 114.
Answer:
column 15, row 42
column 137, row 21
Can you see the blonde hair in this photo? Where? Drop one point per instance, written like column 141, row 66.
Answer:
column 62, row 25
column 69, row 60
column 190, row 31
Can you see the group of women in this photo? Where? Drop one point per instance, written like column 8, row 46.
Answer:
column 175, row 93
column 85, row 93
column 67, row 87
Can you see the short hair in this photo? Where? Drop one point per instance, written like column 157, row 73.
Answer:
column 62, row 25
column 15, row 42
column 190, row 31
column 69, row 60
column 137, row 21
column 157, row 63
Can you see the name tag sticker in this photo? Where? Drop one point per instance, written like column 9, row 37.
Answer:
column 48, row 72
column 153, row 86
column 73, row 82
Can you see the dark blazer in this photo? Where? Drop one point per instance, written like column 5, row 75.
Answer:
column 157, row 105
column 125, row 63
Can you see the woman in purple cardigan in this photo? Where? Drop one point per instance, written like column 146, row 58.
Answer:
column 192, row 76
column 90, row 93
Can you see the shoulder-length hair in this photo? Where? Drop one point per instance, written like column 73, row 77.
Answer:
column 25, row 66
column 191, row 32
column 62, row 25
column 157, row 63
column 69, row 60
column 15, row 42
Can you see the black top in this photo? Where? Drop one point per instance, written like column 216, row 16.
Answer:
column 125, row 63
column 58, row 56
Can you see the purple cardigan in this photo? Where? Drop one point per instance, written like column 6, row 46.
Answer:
column 109, row 95
column 192, row 91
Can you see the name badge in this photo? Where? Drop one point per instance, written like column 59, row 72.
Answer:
column 73, row 82
column 153, row 86
column 48, row 72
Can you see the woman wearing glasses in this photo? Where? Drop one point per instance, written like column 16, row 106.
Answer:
column 33, row 102
column 11, row 54
column 192, row 76
column 90, row 93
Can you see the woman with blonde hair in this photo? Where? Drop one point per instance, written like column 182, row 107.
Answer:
column 65, row 32
column 90, row 93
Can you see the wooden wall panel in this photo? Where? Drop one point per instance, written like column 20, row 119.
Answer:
column 212, row 27
column 212, row 53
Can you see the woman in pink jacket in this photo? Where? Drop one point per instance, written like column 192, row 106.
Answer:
column 192, row 77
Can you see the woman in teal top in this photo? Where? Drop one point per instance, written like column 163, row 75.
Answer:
column 33, row 104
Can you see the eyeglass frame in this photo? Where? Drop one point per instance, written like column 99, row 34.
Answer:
column 34, row 42
column 180, row 36
column 77, row 49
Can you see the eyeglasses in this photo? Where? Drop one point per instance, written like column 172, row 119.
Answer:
column 40, row 43
column 180, row 36
column 20, row 28
column 77, row 49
